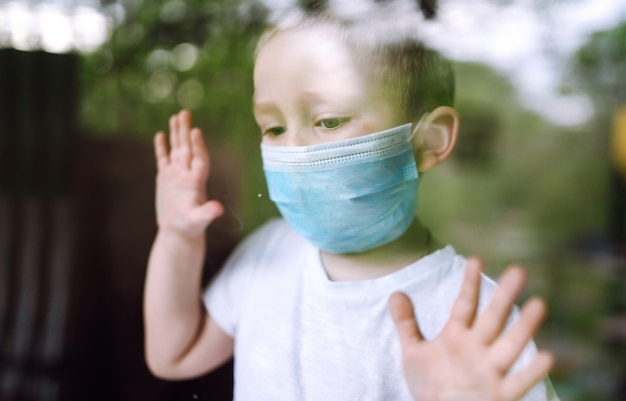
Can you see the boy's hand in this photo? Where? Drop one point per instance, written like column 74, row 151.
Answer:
column 182, row 173
column 470, row 358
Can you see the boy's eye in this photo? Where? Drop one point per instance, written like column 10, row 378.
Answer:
column 275, row 131
column 332, row 123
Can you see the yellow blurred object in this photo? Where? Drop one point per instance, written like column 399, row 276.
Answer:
column 618, row 145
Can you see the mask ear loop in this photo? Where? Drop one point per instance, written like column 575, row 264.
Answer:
column 428, row 238
column 417, row 126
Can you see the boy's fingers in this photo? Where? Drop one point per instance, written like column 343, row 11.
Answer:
column 403, row 315
column 464, row 308
column 184, row 127
column 160, row 150
column 510, row 345
column 173, row 122
column 492, row 321
column 200, row 154
column 516, row 385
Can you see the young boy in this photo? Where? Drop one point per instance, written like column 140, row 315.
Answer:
column 319, row 306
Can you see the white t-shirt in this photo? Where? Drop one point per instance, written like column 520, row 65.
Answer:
column 300, row 336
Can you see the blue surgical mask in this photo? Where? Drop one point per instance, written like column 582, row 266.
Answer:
column 348, row 196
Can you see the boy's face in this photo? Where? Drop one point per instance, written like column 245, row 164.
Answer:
column 308, row 90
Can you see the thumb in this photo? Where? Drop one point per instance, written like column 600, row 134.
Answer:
column 403, row 315
column 207, row 212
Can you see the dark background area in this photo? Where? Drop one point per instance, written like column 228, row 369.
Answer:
column 77, row 222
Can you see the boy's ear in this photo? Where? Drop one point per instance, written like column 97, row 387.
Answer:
column 436, row 137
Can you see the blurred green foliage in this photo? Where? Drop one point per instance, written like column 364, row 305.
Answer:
column 173, row 54
column 601, row 63
column 537, row 187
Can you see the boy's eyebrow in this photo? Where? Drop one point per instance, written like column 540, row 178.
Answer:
column 262, row 106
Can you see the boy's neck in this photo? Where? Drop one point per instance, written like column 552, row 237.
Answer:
column 414, row 244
